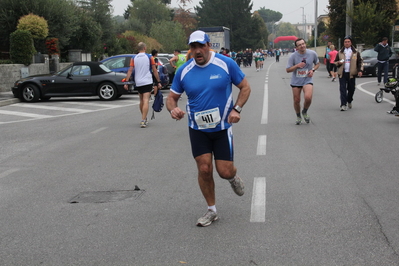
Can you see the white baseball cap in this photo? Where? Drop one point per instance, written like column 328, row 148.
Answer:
column 199, row 36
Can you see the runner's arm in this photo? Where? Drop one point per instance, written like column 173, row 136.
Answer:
column 242, row 98
column 171, row 105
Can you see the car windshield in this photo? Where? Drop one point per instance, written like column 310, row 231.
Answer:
column 65, row 69
column 118, row 62
column 106, row 69
column 369, row 54
column 163, row 60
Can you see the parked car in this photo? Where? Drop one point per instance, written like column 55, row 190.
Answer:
column 370, row 62
column 169, row 67
column 121, row 63
column 77, row 79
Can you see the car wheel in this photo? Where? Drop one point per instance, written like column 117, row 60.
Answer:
column 107, row 91
column 375, row 72
column 30, row 93
column 379, row 96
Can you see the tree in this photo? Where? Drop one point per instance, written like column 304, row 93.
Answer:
column 188, row 22
column 149, row 12
column 322, row 37
column 21, row 48
column 138, row 37
column 100, row 13
column 88, row 35
column 269, row 15
column 285, row 29
column 235, row 15
column 36, row 25
column 337, row 14
column 258, row 29
column 362, row 14
column 170, row 34
column 60, row 16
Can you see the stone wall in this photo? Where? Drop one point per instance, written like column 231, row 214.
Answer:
column 9, row 73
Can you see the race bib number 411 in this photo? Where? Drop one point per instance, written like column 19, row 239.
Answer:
column 208, row 118
column 302, row 72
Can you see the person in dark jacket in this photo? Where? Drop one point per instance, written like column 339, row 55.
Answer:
column 350, row 66
column 384, row 53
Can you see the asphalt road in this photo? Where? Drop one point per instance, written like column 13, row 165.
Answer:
column 324, row 193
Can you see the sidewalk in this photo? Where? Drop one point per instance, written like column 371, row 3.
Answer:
column 7, row 98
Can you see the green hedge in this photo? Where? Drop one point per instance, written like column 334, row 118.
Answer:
column 2, row 62
column 21, row 47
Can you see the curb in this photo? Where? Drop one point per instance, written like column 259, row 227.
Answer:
column 9, row 101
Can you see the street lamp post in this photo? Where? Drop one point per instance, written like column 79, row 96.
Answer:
column 303, row 22
column 315, row 24
column 349, row 7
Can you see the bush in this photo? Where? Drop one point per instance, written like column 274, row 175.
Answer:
column 21, row 47
column 7, row 61
column 37, row 26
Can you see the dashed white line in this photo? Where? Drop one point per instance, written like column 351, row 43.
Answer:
column 265, row 105
column 261, row 147
column 258, row 206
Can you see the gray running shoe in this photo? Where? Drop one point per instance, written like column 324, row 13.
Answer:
column 143, row 124
column 208, row 218
column 343, row 108
column 298, row 121
column 237, row 185
column 306, row 117
column 350, row 105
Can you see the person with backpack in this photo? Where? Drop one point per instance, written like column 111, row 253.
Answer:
column 207, row 80
column 154, row 54
column 144, row 66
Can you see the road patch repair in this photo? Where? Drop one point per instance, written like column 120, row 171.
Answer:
column 107, row 196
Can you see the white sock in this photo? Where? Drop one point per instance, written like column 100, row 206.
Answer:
column 212, row 208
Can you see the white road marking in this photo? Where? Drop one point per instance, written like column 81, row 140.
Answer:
column 8, row 172
column 5, row 112
column 54, row 108
column 258, row 206
column 98, row 130
column 265, row 105
column 93, row 104
column 372, row 94
column 261, row 147
column 36, row 116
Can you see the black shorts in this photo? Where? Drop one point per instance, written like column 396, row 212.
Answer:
column 294, row 86
column 219, row 143
column 144, row 89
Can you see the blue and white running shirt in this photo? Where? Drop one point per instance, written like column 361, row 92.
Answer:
column 209, row 91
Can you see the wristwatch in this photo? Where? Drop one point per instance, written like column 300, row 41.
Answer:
column 237, row 108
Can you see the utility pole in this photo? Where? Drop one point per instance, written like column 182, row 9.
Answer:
column 315, row 24
column 303, row 23
column 349, row 8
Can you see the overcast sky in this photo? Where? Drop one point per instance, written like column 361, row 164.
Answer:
column 291, row 9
